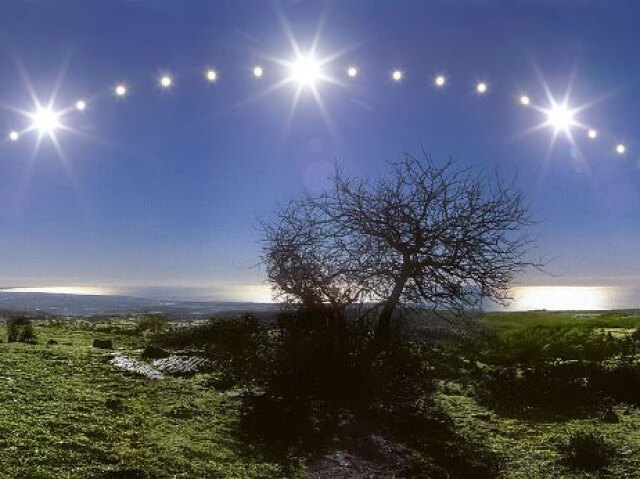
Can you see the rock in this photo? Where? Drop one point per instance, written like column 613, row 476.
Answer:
column 52, row 342
column 182, row 365
column 103, row 343
column 154, row 352
column 133, row 366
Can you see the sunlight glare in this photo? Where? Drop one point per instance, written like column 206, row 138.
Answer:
column 14, row 135
column 525, row 100
column 81, row 105
column 120, row 90
column 557, row 298
column 258, row 72
column 593, row 134
column 397, row 75
column 482, row 88
column 352, row 72
column 621, row 149
column 440, row 81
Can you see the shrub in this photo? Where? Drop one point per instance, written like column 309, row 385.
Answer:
column 20, row 329
column 152, row 323
column 586, row 451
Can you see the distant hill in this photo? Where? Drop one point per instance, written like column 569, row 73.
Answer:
column 90, row 305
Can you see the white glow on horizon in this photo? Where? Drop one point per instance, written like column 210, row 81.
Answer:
column 558, row 298
column 14, row 135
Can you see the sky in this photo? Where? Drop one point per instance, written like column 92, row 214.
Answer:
column 162, row 188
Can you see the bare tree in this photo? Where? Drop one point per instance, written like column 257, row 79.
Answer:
column 425, row 234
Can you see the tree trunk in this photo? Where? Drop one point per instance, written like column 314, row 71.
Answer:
column 383, row 328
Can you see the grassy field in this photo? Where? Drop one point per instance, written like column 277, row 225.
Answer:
column 66, row 412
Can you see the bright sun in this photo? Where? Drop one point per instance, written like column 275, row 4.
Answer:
column 45, row 121
column 305, row 71
column 560, row 117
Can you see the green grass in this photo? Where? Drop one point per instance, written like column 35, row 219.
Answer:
column 577, row 321
column 55, row 419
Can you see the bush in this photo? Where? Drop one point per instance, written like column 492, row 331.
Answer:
column 586, row 451
column 151, row 323
column 20, row 329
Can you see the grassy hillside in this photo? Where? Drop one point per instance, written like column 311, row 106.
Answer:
column 521, row 387
column 66, row 413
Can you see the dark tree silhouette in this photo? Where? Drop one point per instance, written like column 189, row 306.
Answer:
column 425, row 234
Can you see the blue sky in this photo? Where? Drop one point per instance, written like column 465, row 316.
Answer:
column 162, row 188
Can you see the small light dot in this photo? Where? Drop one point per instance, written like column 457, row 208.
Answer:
column 440, row 80
column 621, row 149
column 14, row 135
column 352, row 72
column 482, row 88
column 81, row 105
column 593, row 134
column 166, row 81
column 525, row 100
column 212, row 75
column 258, row 72
column 121, row 90
column 397, row 75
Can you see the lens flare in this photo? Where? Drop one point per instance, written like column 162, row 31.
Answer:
column 120, row 90
column 258, row 72
column 525, row 100
column 592, row 134
column 440, row 81
column 481, row 88
column 397, row 75
column 14, row 135
column 352, row 72
column 81, row 105
column 621, row 149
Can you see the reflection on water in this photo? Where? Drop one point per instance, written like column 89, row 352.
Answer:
column 563, row 298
